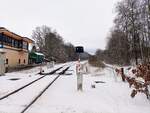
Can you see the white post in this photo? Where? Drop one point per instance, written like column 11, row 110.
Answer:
column 41, row 70
column 79, row 76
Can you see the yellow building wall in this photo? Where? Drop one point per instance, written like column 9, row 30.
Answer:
column 13, row 56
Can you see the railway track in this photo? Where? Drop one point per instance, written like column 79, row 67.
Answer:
column 30, row 83
column 31, row 100
column 40, row 94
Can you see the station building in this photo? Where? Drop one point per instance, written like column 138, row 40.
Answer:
column 13, row 48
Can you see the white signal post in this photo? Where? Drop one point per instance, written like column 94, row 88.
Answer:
column 79, row 76
column 79, row 49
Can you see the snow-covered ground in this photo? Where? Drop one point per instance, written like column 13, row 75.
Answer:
column 110, row 95
column 23, row 77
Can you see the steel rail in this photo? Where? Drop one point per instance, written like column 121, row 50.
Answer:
column 17, row 90
column 40, row 94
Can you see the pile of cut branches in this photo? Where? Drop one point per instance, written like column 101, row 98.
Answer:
column 140, row 79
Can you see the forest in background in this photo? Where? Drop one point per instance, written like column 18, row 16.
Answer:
column 129, row 38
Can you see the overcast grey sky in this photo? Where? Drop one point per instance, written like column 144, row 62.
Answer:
column 81, row 22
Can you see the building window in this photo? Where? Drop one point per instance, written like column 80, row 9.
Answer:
column 16, row 43
column 7, row 61
column 25, row 45
column 20, row 44
column 24, row 61
column 1, row 37
column 10, row 41
column 19, row 61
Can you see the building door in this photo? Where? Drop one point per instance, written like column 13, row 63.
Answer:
column 2, row 64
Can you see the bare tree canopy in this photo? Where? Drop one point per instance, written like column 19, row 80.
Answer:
column 52, row 45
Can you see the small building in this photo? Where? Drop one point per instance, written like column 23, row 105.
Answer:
column 36, row 58
column 14, row 48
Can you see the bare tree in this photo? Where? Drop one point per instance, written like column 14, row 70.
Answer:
column 52, row 45
column 39, row 36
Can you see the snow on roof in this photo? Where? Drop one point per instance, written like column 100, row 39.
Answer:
column 39, row 53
